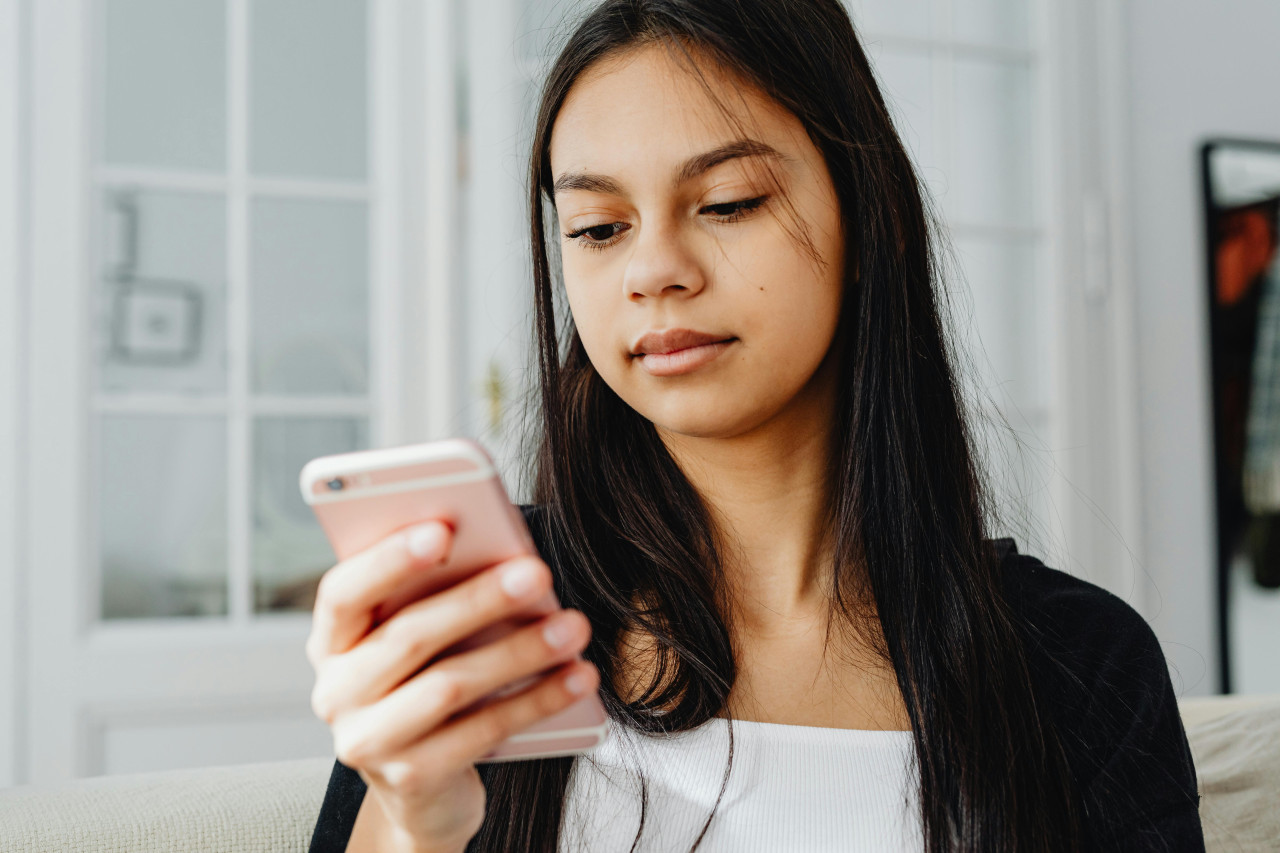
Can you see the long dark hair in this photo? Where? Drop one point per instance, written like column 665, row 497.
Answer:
column 633, row 543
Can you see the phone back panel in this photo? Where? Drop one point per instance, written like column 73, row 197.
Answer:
column 487, row 529
column 361, row 498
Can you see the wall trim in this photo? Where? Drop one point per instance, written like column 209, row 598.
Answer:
column 13, row 176
column 440, row 348
column 1113, row 88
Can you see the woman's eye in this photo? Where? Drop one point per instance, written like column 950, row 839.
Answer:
column 603, row 236
column 732, row 210
column 597, row 236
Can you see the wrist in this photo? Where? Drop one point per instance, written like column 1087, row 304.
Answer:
column 403, row 842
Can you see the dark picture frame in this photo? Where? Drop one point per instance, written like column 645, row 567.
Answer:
column 1241, row 203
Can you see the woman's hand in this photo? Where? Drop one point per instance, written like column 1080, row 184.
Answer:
column 392, row 719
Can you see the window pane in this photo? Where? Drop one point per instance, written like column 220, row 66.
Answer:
column 906, row 81
column 163, row 530
column 307, row 89
column 164, row 83
column 290, row 551
column 911, row 18
column 310, row 297
column 1021, row 471
column 542, row 26
column 1008, row 327
column 1004, row 23
column 162, row 303
column 991, row 179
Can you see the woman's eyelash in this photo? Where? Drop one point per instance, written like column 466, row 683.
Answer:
column 734, row 210
column 730, row 211
column 614, row 228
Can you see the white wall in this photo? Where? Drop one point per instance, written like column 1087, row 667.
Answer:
column 1196, row 70
column 12, row 307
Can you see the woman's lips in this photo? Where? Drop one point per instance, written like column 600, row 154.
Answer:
column 678, row 351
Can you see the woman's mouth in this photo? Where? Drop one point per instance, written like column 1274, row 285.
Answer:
column 678, row 351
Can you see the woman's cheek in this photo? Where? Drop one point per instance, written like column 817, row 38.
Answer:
column 592, row 318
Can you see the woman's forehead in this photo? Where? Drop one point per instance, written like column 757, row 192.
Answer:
column 649, row 109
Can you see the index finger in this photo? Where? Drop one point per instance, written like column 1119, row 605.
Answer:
column 351, row 591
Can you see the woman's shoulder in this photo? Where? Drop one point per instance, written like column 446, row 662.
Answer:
column 1070, row 616
column 1090, row 649
column 1099, row 671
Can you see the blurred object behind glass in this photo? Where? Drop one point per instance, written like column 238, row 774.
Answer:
column 1242, row 189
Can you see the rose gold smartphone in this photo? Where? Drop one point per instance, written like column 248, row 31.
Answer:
column 361, row 498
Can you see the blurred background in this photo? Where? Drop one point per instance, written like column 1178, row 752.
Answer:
column 239, row 234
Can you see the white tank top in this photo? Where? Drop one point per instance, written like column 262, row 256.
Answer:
column 792, row 788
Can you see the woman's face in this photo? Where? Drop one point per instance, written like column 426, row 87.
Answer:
column 684, row 245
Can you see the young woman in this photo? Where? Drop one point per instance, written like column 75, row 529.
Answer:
column 757, row 499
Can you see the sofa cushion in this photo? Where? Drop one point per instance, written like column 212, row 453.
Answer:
column 263, row 808
column 251, row 808
column 1237, row 759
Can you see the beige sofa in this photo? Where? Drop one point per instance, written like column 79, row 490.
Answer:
column 270, row 808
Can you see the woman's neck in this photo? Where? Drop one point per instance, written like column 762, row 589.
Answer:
column 768, row 494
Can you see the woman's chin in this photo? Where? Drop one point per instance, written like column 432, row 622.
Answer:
column 706, row 422
column 708, row 410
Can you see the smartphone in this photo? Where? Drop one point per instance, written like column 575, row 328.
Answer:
column 363, row 497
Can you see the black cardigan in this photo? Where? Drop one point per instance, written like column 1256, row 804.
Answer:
column 1109, row 694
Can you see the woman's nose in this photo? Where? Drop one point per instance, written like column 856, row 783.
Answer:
column 662, row 265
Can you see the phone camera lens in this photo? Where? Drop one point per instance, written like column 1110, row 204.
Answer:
column 336, row 484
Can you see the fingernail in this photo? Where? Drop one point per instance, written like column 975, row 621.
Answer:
column 577, row 684
column 520, row 579
column 425, row 541
column 558, row 632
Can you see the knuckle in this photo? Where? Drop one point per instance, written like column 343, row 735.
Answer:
column 415, row 636
column 479, row 597
column 353, row 752
column 496, row 727
column 402, row 632
column 312, row 649
column 322, row 705
column 444, row 690
column 329, row 593
column 551, row 699
column 408, row 778
column 342, row 608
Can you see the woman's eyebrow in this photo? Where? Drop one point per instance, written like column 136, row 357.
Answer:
column 692, row 168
